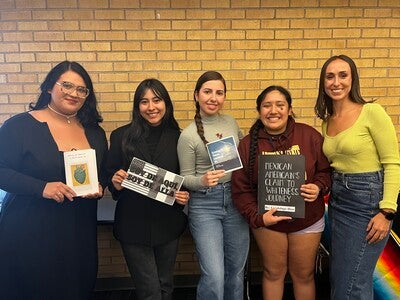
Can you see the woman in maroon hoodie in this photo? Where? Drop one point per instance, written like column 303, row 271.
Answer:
column 285, row 243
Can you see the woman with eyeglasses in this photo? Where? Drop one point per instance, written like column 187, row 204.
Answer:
column 48, row 247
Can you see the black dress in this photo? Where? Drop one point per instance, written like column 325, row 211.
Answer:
column 48, row 250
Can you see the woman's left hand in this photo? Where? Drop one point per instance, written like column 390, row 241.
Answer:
column 95, row 195
column 182, row 197
column 378, row 228
column 309, row 192
column 211, row 178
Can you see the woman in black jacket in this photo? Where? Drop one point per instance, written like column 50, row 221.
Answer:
column 147, row 229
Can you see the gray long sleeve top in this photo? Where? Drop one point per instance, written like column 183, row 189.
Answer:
column 193, row 156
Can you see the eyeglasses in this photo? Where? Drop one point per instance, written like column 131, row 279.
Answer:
column 69, row 88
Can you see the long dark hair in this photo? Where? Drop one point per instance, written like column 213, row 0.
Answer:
column 258, row 125
column 139, row 128
column 207, row 76
column 323, row 106
column 88, row 114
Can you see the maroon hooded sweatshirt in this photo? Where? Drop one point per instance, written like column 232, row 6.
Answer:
column 297, row 136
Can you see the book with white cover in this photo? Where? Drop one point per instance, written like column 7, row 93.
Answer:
column 152, row 181
column 81, row 171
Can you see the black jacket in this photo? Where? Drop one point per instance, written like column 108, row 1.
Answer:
column 139, row 219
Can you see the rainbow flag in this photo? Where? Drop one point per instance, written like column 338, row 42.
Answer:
column 387, row 271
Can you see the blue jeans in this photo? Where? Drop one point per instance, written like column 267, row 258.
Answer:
column 221, row 236
column 354, row 201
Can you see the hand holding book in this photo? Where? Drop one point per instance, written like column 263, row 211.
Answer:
column 270, row 219
column 309, row 191
column 182, row 197
column 211, row 177
column 95, row 195
column 58, row 191
column 118, row 178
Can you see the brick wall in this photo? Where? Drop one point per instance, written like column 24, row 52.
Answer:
column 253, row 43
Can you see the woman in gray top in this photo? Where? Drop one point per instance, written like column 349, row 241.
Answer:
column 220, row 233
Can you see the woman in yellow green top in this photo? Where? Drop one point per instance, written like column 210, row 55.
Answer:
column 361, row 144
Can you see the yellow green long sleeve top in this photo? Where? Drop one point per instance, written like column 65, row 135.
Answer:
column 369, row 145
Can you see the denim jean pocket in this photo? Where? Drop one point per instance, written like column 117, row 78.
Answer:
column 365, row 182
column 202, row 191
column 361, row 186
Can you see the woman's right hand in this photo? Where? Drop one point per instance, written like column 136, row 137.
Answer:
column 269, row 218
column 211, row 177
column 117, row 179
column 57, row 191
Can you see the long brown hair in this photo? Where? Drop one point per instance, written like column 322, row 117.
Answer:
column 323, row 106
column 207, row 76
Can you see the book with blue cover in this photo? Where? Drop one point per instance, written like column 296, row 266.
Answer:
column 224, row 154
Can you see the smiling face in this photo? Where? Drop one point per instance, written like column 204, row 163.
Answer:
column 152, row 108
column 211, row 97
column 338, row 80
column 274, row 112
column 67, row 102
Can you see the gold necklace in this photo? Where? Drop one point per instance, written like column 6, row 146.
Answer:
column 63, row 115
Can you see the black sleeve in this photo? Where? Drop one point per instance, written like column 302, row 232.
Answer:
column 115, row 159
column 12, row 145
column 98, row 141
